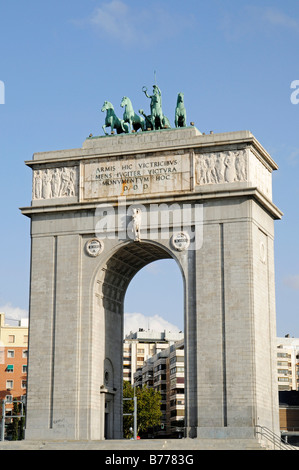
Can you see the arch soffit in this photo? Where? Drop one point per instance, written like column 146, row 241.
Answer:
column 124, row 261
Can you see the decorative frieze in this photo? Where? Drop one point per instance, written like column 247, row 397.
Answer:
column 224, row 167
column 55, row 183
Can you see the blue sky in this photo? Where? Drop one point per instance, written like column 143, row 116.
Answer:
column 235, row 62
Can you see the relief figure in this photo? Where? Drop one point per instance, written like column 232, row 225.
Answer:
column 200, row 170
column 65, row 182
column 55, row 183
column 241, row 167
column 38, row 186
column 46, row 192
column 230, row 172
column 219, row 169
column 71, row 185
column 210, row 169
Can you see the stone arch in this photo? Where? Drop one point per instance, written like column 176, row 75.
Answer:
column 76, row 296
column 109, row 285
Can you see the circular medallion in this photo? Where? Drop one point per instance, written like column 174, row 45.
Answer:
column 94, row 247
column 180, row 241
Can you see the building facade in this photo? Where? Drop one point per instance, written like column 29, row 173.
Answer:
column 288, row 363
column 165, row 373
column 139, row 346
column 176, row 390
column 13, row 361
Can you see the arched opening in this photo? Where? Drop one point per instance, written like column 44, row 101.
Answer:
column 155, row 298
column 154, row 342
column 111, row 285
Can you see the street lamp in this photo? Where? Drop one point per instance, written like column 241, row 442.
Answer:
column 135, row 408
column 134, row 415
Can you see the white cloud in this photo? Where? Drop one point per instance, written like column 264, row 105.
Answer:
column 278, row 18
column 134, row 321
column 13, row 313
column 292, row 282
column 252, row 20
column 119, row 21
column 114, row 20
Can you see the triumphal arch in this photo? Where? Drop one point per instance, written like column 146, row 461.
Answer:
column 102, row 212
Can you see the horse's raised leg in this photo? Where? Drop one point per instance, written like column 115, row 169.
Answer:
column 104, row 129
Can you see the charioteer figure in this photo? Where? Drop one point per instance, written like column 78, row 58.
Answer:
column 156, row 117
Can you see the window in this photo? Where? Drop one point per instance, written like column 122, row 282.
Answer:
column 26, row 339
column 9, row 398
column 25, row 353
column 9, row 384
column 24, row 384
column 11, row 353
column 11, row 338
column 283, row 371
column 24, row 368
column 9, row 368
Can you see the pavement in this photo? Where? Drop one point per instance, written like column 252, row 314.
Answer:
column 173, row 445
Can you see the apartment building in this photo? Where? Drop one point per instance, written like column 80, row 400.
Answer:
column 165, row 373
column 288, row 363
column 176, row 390
column 139, row 346
column 13, row 360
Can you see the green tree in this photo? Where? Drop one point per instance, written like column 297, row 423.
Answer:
column 148, row 408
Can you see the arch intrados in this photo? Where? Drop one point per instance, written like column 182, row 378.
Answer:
column 126, row 260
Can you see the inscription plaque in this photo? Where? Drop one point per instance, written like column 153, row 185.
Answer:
column 180, row 241
column 135, row 175
column 94, row 247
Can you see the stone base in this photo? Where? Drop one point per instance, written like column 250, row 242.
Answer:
column 225, row 433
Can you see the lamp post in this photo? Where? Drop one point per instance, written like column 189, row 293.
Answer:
column 135, row 409
column 2, row 428
column 135, row 406
column 134, row 415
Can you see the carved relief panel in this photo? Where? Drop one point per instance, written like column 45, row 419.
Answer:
column 55, row 183
column 221, row 167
